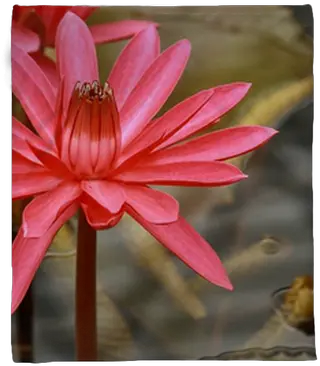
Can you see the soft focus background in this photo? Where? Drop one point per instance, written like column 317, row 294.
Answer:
column 150, row 305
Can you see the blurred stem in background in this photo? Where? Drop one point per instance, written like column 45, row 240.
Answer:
column 86, row 318
column 25, row 310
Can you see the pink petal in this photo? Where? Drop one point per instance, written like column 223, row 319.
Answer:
column 22, row 137
column 23, row 132
column 190, row 247
column 219, row 145
column 24, row 38
column 117, row 31
column 35, row 93
column 97, row 216
column 152, row 90
column 43, row 210
column 154, row 206
column 184, row 174
column 110, row 195
column 165, row 126
column 52, row 15
column 21, row 165
column 27, row 254
column 22, row 147
column 48, row 67
column 76, row 54
column 26, row 185
column 52, row 162
column 133, row 61
column 224, row 98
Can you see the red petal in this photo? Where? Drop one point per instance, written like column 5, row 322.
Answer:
column 165, row 126
column 152, row 90
column 21, row 165
column 27, row 254
column 52, row 162
column 184, row 174
column 76, row 54
column 117, row 31
column 21, row 131
column 110, row 195
column 23, row 148
column 48, row 67
column 25, row 185
column 190, row 247
column 51, row 17
column 24, row 38
column 83, row 11
column 154, row 206
column 224, row 98
column 133, row 61
column 22, row 138
column 35, row 93
column 43, row 210
column 97, row 216
column 219, row 145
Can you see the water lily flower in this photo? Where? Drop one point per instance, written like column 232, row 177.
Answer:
column 35, row 27
column 99, row 148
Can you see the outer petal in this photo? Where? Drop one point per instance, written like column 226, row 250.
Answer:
column 35, row 93
column 48, row 67
column 24, row 38
column 154, row 206
column 25, row 185
column 133, row 61
column 110, row 195
column 27, row 255
column 42, row 211
column 52, row 162
column 21, row 165
column 22, row 138
column 117, row 31
column 22, row 147
column 219, row 145
column 21, row 131
column 161, row 129
column 190, row 247
column 52, row 15
column 97, row 216
column 224, row 98
column 76, row 54
column 153, row 89
column 184, row 174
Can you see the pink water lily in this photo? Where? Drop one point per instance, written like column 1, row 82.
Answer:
column 98, row 147
column 35, row 27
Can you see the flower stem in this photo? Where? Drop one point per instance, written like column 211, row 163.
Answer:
column 86, row 327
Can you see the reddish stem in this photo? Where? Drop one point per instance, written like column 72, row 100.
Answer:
column 86, row 326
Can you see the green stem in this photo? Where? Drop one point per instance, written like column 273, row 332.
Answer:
column 86, row 322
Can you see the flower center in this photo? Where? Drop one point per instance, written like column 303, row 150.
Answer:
column 91, row 134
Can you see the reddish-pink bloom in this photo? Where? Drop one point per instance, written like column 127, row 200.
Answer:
column 35, row 27
column 99, row 148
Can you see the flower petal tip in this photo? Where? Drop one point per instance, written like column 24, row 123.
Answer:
column 185, row 43
column 228, row 285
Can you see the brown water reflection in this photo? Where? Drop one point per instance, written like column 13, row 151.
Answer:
column 151, row 306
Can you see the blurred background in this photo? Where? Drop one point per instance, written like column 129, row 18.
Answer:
column 150, row 305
